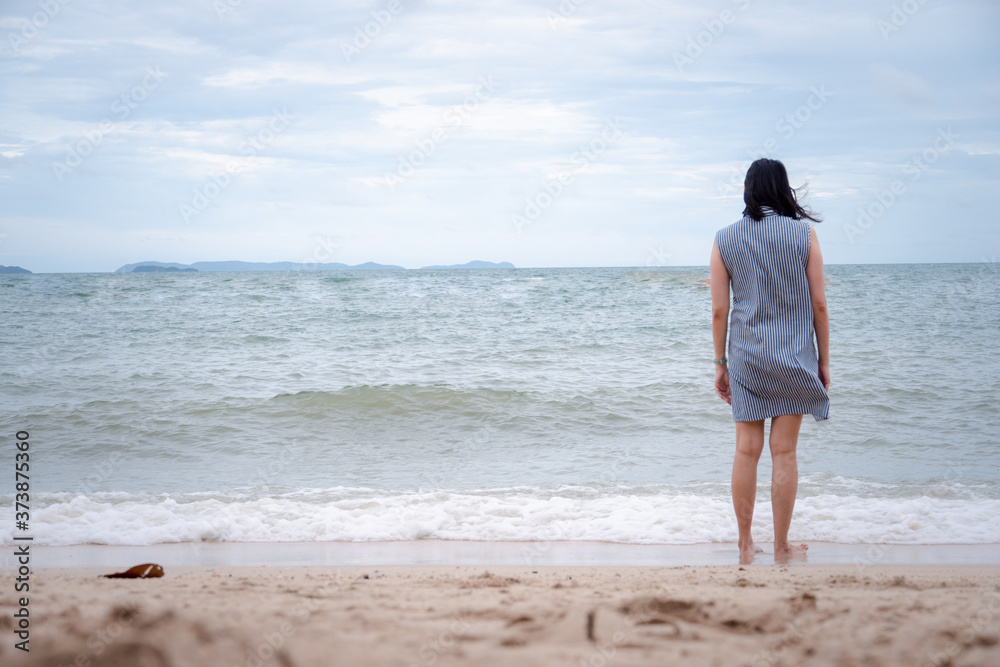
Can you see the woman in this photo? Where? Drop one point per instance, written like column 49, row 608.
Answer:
column 771, row 257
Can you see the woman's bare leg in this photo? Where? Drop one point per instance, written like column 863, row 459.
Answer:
column 749, row 445
column 784, row 482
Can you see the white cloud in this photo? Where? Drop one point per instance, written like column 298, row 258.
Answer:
column 677, row 167
column 263, row 73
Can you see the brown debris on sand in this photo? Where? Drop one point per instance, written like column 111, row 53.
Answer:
column 144, row 571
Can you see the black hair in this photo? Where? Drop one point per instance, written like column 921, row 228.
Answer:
column 766, row 184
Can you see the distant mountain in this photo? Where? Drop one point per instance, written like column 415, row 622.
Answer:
column 475, row 264
column 255, row 266
column 13, row 269
column 146, row 268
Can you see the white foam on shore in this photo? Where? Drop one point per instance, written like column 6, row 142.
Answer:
column 637, row 516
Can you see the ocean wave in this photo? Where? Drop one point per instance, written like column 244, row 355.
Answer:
column 636, row 515
column 474, row 404
column 381, row 397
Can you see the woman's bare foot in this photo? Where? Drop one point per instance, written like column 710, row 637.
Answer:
column 789, row 552
column 748, row 551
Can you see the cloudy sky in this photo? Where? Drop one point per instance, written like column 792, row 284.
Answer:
column 580, row 133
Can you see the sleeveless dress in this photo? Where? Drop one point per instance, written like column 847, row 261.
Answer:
column 772, row 357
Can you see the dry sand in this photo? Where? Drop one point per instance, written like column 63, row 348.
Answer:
column 442, row 615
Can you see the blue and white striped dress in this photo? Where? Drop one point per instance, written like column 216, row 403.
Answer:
column 772, row 355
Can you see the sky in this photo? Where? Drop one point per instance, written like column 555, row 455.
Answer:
column 547, row 134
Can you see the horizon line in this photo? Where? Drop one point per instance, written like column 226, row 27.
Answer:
column 460, row 268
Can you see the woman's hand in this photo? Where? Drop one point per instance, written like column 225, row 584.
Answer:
column 824, row 376
column 722, row 383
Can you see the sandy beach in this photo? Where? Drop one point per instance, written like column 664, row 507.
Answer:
column 799, row 614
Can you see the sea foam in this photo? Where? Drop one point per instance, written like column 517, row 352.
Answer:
column 641, row 515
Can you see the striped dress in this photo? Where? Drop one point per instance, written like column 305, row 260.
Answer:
column 772, row 355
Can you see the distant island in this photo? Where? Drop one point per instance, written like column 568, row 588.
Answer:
column 252, row 266
column 475, row 264
column 146, row 268
column 13, row 269
column 156, row 267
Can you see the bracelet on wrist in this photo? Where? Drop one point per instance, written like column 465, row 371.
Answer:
column 721, row 361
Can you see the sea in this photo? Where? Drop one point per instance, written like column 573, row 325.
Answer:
column 506, row 404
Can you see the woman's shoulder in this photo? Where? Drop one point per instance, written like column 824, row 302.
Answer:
column 795, row 223
column 801, row 226
column 734, row 225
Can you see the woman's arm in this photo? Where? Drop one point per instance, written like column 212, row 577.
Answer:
column 821, row 319
column 719, row 281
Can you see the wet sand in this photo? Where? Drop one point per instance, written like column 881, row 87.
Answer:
column 464, row 552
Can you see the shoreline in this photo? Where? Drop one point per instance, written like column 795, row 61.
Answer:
column 434, row 552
